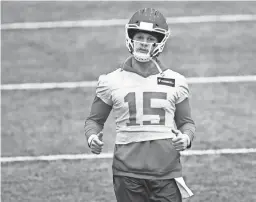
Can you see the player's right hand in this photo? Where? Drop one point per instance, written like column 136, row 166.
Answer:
column 96, row 144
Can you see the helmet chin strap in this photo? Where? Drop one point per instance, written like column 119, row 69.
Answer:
column 157, row 66
column 140, row 58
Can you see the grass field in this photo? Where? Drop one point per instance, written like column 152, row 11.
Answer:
column 45, row 122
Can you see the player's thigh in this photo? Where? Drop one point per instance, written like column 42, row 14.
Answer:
column 129, row 189
column 165, row 191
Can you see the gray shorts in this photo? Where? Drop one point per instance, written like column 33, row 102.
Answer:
column 128, row 189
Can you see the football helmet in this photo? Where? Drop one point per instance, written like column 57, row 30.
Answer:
column 150, row 21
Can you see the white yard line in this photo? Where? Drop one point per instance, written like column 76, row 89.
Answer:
column 82, row 84
column 120, row 22
column 110, row 155
column 43, row 86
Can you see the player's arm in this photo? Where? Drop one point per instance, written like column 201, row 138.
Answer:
column 184, row 121
column 95, row 122
column 100, row 111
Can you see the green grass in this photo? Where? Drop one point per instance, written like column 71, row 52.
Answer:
column 37, row 122
column 211, row 178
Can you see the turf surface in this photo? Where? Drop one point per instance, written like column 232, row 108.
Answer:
column 51, row 122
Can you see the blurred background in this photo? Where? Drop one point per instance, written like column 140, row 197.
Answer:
column 50, row 121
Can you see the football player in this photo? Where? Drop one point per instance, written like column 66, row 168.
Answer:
column 152, row 114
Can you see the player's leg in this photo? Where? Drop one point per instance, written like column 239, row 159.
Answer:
column 164, row 191
column 129, row 189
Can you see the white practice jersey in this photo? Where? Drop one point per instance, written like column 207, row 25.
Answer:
column 144, row 108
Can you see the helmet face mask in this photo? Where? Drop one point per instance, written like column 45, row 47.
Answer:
column 149, row 21
column 142, row 54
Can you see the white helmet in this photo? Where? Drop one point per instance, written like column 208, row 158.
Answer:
column 150, row 21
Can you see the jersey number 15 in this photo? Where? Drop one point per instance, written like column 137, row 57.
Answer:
column 147, row 109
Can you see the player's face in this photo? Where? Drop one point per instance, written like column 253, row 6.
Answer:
column 144, row 37
column 143, row 42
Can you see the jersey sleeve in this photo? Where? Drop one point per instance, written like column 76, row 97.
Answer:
column 103, row 90
column 182, row 89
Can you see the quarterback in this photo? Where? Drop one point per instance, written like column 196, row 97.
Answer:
column 152, row 114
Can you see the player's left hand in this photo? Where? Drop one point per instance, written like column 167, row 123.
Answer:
column 181, row 141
